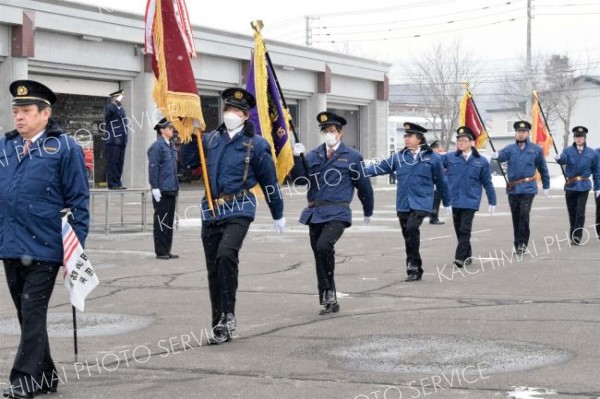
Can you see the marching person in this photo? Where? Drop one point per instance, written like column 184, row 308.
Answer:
column 524, row 158
column 237, row 159
column 418, row 170
column 42, row 171
column 162, row 173
column 333, row 175
column 467, row 172
column 437, row 147
column 115, row 129
column 581, row 162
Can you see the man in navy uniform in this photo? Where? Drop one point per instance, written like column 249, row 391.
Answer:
column 467, row 172
column 418, row 170
column 581, row 163
column 334, row 172
column 524, row 158
column 116, row 130
column 162, row 173
column 237, row 159
column 42, row 171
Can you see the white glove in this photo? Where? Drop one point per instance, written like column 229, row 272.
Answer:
column 547, row 192
column 448, row 210
column 299, row 149
column 557, row 157
column 494, row 155
column 492, row 209
column 280, row 225
column 597, row 193
column 156, row 194
column 367, row 219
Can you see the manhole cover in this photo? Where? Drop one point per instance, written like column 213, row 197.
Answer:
column 88, row 324
column 434, row 354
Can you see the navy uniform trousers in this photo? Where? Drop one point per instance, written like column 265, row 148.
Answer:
column 164, row 218
column 115, row 159
column 30, row 287
column 323, row 237
column 222, row 241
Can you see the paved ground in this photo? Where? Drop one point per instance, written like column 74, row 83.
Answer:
column 527, row 326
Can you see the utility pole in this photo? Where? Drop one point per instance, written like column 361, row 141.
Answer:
column 309, row 34
column 529, row 17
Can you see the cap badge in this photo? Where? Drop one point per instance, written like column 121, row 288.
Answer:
column 238, row 95
column 22, row 91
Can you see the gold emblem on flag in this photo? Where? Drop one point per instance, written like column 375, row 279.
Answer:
column 22, row 91
column 238, row 95
column 323, row 118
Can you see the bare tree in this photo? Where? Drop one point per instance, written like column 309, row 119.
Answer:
column 554, row 78
column 438, row 75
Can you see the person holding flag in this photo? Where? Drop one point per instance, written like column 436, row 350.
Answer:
column 238, row 160
column 524, row 158
column 333, row 174
column 42, row 171
column 581, row 162
column 467, row 172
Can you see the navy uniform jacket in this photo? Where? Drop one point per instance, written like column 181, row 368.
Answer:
column 115, row 125
column 225, row 164
column 466, row 179
column 35, row 188
column 415, row 179
column 522, row 164
column 162, row 166
column 582, row 165
column 333, row 181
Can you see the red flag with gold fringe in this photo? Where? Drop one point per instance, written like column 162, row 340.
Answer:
column 170, row 41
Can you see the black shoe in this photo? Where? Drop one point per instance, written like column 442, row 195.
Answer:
column 329, row 308
column 121, row 188
column 173, row 256
column 520, row 249
column 459, row 263
column 165, row 257
column 222, row 331
column 16, row 392
column 468, row 261
column 436, row 221
column 329, row 297
column 114, row 188
column 414, row 273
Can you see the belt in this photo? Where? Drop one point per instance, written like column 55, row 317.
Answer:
column 313, row 204
column 572, row 180
column 512, row 184
column 224, row 198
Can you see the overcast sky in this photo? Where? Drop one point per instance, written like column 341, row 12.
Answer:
column 397, row 30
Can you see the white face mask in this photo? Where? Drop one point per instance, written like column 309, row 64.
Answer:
column 330, row 139
column 232, row 120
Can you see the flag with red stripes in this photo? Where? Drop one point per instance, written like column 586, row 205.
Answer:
column 78, row 273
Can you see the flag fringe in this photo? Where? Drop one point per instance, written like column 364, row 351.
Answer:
column 186, row 105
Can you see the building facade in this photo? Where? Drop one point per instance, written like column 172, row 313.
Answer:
column 84, row 53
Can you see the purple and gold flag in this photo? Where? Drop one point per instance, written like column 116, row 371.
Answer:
column 270, row 117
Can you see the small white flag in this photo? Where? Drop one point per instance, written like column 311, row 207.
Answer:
column 79, row 275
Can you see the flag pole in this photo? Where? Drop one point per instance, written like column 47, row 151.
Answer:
column 257, row 27
column 75, row 333
column 486, row 131
column 535, row 95
column 206, row 177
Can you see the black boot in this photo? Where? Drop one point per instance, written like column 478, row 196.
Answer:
column 414, row 273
